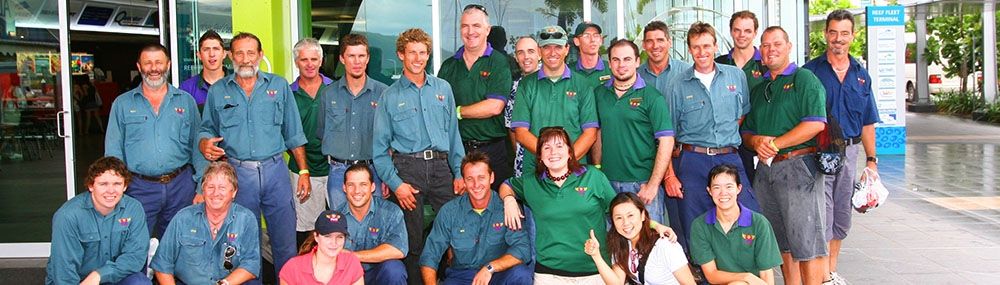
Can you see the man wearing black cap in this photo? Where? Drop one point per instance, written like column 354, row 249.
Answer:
column 588, row 39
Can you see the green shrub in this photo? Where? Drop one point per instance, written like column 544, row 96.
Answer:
column 960, row 103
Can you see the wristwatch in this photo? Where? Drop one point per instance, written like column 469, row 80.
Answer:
column 872, row 159
column 489, row 267
column 222, row 282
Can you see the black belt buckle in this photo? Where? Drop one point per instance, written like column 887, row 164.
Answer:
column 428, row 154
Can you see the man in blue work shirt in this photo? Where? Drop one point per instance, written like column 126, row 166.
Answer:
column 99, row 237
column 707, row 102
column 154, row 129
column 659, row 68
column 376, row 233
column 472, row 225
column 211, row 53
column 416, row 120
column 851, row 105
column 216, row 242
column 348, row 117
column 253, row 118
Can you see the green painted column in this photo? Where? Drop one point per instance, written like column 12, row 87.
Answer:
column 268, row 19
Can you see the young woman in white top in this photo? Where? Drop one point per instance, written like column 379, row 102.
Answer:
column 638, row 255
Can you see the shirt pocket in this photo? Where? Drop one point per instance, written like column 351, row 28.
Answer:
column 91, row 243
column 231, row 116
column 134, row 125
column 337, row 118
column 184, row 131
column 192, row 251
column 277, row 112
column 463, row 242
column 405, row 122
column 690, row 117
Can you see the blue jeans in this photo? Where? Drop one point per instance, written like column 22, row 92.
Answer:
column 336, row 198
column 692, row 170
column 516, row 275
column 264, row 186
column 654, row 208
column 162, row 201
column 138, row 278
column 389, row 272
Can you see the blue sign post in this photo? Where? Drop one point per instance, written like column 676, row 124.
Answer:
column 886, row 50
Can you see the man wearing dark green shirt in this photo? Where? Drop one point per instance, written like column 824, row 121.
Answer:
column 480, row 79
column 589, row 39
column 785, row 115
column 306, row 90
column 743, row 29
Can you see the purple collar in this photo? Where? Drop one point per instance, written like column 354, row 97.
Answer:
column 461, row 51
column 295, row 84
column 788, row 70
column 745, row 219
column 639, row 83
column 565, row 75
column 756, row 53
column 598, row 67
column 577, row 173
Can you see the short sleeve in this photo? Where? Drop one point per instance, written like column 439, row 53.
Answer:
column 812, row 96
column 701, row 250
column 766, row 248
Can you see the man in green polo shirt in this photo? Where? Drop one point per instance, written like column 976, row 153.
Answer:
column 557, row 96
column 637, row 136
column 480, row 79
column 785, row 115
column 743, row 29
column 308, row 59
column 732, row 243
column 589, row 38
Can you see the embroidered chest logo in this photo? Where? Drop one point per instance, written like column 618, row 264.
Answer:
column 333, row 217
column 748, row 238
column 634, row 102
column 570, row 94
column 271, row 93
column 731, row 87
column 788, row 86
column 374, row 105
column 497, row 226
column 440, row 97
column 124, row 221
column 581, row 190
column 756, row 73
column 373, row 231
column 604, row 78
column 231, row 237
column 861, row 81
column 484, row 74
column 180, row 111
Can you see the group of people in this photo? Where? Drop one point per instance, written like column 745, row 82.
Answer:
column 590, row 172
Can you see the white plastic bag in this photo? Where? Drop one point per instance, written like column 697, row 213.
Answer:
column 869, row 193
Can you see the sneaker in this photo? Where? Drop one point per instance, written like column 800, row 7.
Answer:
column 837, row 279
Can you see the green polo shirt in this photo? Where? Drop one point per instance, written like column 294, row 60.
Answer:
column 753, row 68
column 778, row 105
column 630, row 126
column 565, row 215
column 309, row 111
column 749, row 246
column 568, row 102
column 597, row 76
column 489, row 78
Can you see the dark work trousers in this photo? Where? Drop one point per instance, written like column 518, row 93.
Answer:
column 434, row 180
column 501, row 161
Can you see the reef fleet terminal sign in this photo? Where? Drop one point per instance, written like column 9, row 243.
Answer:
column 886, row 49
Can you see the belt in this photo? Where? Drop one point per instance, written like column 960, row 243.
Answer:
column 255, row 163
column 793, row 154
column 854, row 140
column 474, row 144
column 427, row 154
column 331, row 159
column 708, row 150
column 165, row 178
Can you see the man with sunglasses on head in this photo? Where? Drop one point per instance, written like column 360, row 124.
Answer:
column 480, row 79
column 588, row 38
column 787, row 111
column 215, row 242
column 557, row 96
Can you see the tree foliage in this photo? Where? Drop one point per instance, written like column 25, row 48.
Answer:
column 817, row 42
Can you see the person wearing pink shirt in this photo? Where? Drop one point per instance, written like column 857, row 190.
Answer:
column 327, row 262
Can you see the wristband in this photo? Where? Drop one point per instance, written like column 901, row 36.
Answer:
column 774, row 146
column 304, row 171
column 653, row 224
column 598, row 166
column 458, row 111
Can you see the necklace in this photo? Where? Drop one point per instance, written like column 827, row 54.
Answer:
column 840, row 70
column 624, row 87
column 560, row 178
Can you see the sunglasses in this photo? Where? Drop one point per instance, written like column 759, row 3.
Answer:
column 767, row 92
column 228, row 258
column 477, row 7
column 553, row 35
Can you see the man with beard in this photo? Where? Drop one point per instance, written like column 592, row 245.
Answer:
column 99, row 237
column 154, row 129
column 588, row 39
column 484, row 250
column 417, row 148
column 557, row 96
column 211, row 52
column 785, row 115
column 376, row 233
column 707, row 101
column 348, row 117
column 252, row 117
column 637, row 134
column 526, row 55
column 306, row 90
column 743, row 29
column 851, row 106
column 480, row 79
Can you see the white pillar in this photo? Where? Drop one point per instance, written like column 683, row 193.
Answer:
column 989, row 52
column 920, row 21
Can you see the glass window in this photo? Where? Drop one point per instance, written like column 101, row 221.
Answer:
column 194, row 17
column 679, row 15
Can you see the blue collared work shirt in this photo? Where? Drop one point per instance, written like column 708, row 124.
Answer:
column 152, row 143
column 475, row 238
column 189, row 252
column 709, row 117
column 411, row 119
column 348, row 120
column 850, row 102
column 255, row 127
column 84, row 241
column 383, row 224
column 662, row 81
